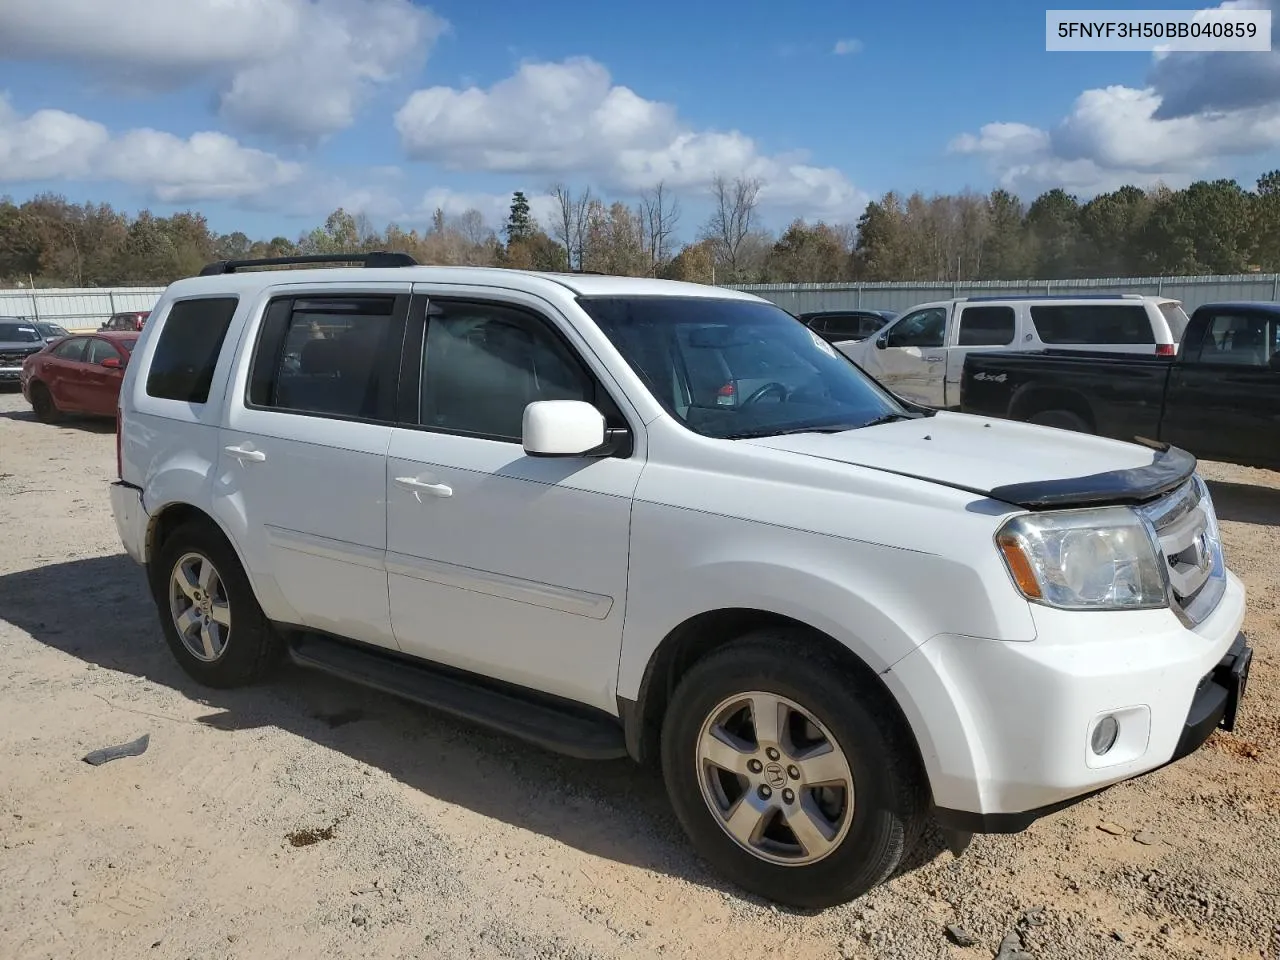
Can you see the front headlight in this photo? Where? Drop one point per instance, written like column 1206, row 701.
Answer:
column 1101, row 559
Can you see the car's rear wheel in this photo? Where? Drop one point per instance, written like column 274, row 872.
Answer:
column 1062, row 419
column 208, row 612
column 42, row 402
column 790, row 773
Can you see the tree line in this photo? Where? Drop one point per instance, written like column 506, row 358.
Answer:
column 1210, row 227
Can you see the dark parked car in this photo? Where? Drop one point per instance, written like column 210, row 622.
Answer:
column 50, row 331
column 838, row 326
column 1218, row 398
column 19, row 339
column 80, row 374
column 131, row 320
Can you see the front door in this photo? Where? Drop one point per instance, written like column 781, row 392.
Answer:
column 1223, row 398
column 499, row 563
column 912, row 361
column 305, row 450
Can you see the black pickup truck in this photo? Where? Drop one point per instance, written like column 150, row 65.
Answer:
column 1218, row 398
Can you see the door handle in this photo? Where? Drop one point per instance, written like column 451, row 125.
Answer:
column 421, row 486
column 242, row 454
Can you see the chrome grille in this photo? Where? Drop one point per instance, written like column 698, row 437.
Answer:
column 13, row 359
column 1186, row 529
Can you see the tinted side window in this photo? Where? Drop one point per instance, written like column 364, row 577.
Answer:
column 72, row 349
column 484, row 363
column 99, row 350
column 925, row 328
column 324, row 355
column 1084, row 323
column 1240, row 341
column 986, row 327
column 187, row 352
column 845, row 327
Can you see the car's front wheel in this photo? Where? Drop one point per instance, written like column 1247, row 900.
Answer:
column 42, row 402
column 790, row 773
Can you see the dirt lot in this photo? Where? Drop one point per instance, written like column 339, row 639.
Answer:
column 310, row 819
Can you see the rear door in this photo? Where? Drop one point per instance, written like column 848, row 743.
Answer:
column 978, row 326
column 910, row 357
column 302, row 463
column 99, row 384
column 1223, row 399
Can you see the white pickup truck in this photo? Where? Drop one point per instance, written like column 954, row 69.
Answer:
column 615, row 517
column 920, row 355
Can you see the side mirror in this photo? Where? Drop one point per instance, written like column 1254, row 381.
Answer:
column 882, row 341
column 112, row 363
column 562, row 428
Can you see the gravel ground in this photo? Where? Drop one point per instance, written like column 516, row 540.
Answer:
column 311, row 818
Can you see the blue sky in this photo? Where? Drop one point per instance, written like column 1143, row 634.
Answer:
column 266, row 114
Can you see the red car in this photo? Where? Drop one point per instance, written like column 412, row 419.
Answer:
column 131, row 320
column 77, row 374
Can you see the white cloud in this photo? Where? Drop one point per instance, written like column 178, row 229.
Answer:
column 293, row 69
column 53, row 145
column 570, row 119
column 848, row 46
column 1197, row 110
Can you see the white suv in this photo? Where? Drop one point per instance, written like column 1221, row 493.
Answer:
column 617, row 517
column 920, row 355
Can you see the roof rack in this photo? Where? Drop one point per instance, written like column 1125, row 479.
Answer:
column 378, row 258
column 1056, row 296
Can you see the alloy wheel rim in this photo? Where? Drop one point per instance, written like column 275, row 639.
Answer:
column 775, row 779
column 199, row 606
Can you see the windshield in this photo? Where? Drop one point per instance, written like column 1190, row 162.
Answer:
column 737, row 368
column 18, row 333
column 53, row 330
column 1176, row 317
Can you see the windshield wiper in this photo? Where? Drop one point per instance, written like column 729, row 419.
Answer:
column 889, row 418
column 757, row 434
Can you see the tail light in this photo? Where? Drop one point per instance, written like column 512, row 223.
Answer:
column 1166, row 349
column 725, row 396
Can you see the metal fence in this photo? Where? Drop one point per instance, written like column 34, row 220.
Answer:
column 77, row 309
column 1192, row 291
column 85, row 309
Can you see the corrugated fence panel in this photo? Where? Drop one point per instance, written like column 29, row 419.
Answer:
column 83, row 309
column 1192, row 291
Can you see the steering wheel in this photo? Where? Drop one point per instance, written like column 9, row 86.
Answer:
column 764, row 391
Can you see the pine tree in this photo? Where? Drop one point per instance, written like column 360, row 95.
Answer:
column 520, row 222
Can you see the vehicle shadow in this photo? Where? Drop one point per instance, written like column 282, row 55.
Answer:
column 611, row 809
column 1246, row 502
column 71, row 420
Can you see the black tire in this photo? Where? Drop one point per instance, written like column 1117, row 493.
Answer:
column 251, row 644
column 43, row 404
column 890, row 798
column 1062, row 419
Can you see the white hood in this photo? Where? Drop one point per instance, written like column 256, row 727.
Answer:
column 975, row 453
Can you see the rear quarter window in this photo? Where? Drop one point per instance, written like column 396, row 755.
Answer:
column 1090, row 323
column 187, row 352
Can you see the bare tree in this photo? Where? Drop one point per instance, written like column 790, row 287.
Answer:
column 570, row 227
column 470, row 223
column 732, row 218
column 660, row 214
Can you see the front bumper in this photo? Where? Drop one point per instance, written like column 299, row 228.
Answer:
column 1215, row 705
column 10, row 374
column 1005, row 728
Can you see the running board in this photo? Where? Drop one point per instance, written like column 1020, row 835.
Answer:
column 571, row 730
